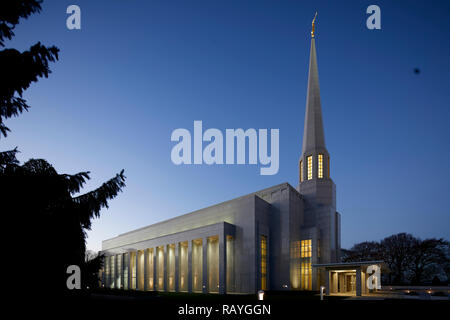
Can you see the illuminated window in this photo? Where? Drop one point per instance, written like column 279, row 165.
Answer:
column 133, row 270
column 126, row 267
column 160, row 268
column 119, row 272
column 309, row 160
column 150, row 269
column 183, row 266
column 306, row 248
column 306, row 269
column 113, row 271
column 263, row 262
column 197, row 265
column 301, row 171
column 295, row 253
column 295, row 265
column 320, row 166
column 170, row 265
column 306, row 276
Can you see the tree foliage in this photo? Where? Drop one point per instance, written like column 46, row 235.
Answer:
column 406, row 258
column 45, row 209
column 19, row 69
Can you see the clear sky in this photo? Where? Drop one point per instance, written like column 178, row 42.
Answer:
column 137, row 70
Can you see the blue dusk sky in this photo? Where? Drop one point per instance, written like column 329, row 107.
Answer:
column 137, row 70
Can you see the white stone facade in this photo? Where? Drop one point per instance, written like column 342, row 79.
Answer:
column 265, row 240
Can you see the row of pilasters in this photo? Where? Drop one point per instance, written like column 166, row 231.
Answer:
column 132, row 258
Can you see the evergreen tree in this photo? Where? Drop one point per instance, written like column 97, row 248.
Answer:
column 44, row 208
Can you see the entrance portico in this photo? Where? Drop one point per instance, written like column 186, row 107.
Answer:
column 347, row 277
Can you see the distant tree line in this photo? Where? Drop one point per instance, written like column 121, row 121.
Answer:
column 407, row 259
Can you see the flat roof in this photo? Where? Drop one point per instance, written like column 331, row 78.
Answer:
column 347, row 264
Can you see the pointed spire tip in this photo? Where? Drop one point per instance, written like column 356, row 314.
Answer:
column 313, row 25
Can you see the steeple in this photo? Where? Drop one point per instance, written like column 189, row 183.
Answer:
column 313, row 136
column 315, row 183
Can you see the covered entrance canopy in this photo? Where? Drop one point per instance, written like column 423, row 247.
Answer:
column 347, row 277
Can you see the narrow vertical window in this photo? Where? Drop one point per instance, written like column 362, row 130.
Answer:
column 113, row 271
column 328, row 167
column 150, row 269
column 119, row 272
column 107, row 271
column 320, row 166
column 306, row 270
column 301, row 170
column 133, row 269
column 309, row 160
column 295, row 265
column 263, row 262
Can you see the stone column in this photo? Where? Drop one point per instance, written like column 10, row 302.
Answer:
column 222, row 263
column 205, row 265
column 177, row 266
column 327, row 282
column 189, row 273
column 358, row 282
column 145, row 270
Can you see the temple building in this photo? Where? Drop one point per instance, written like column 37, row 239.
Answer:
column 268, row 240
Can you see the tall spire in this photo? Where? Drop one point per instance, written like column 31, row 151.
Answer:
column 314, row 163
column 313, row 136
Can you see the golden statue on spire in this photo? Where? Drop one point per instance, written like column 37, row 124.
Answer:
column 313, row 24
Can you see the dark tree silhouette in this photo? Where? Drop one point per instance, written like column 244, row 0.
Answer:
column 364, row 251
column 397, row 253
column 405, row 257
column 50, row 217
column 19, row 69
column 44, row 208
column 426, row 255
column 92, row 266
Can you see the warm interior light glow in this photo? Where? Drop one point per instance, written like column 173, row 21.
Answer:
column 197, row 265
column 306, row 248
column 295, row 265
column 150, row 269
column 171, row 267
column 309, row 161
column 320, row 166
column 133, row 269
column 263, row 262
column 126, row 266
column 212, row 256
column 306, row 269
column 183, row 266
